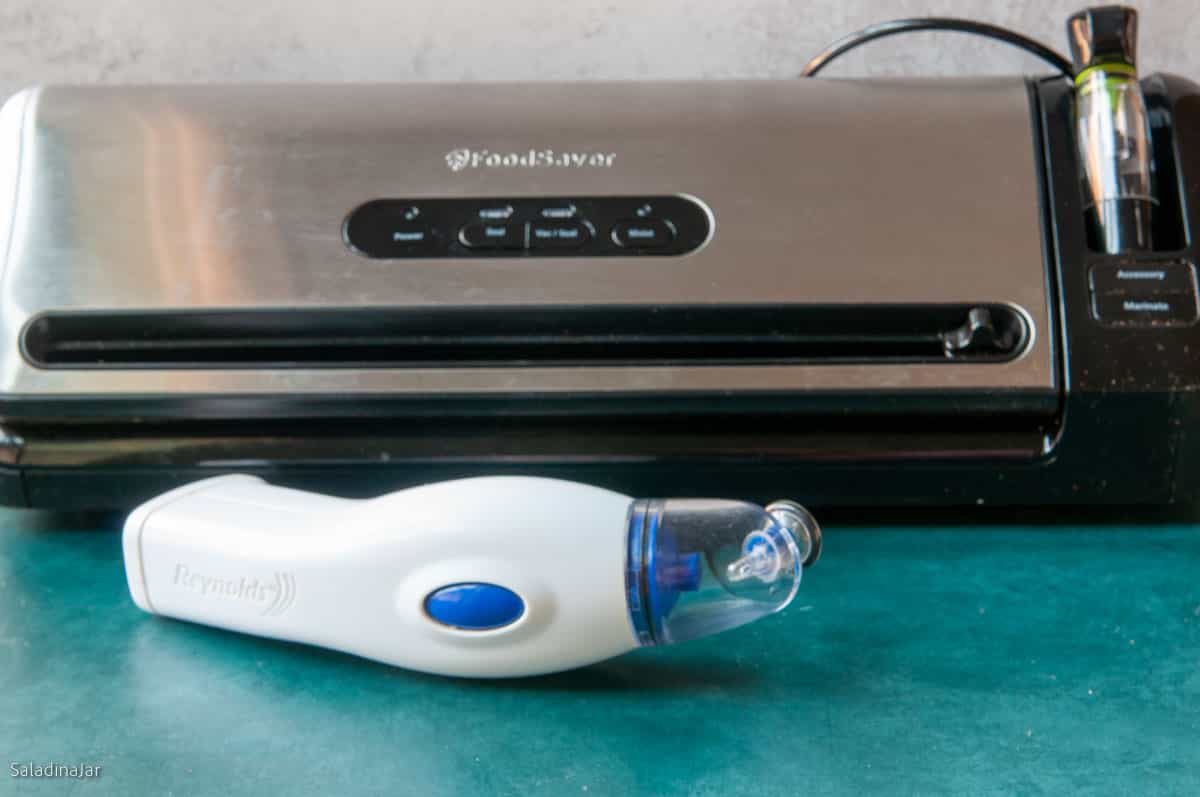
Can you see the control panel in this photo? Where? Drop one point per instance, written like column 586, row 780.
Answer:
column 1151, row 294
column 615, row 226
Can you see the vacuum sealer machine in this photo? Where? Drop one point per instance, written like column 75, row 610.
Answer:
column 847, row 291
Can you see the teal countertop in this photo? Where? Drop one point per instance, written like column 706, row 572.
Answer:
column 956, row 660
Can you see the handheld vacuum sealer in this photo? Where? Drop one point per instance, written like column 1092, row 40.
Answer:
column 489, row 577
column 844, row 291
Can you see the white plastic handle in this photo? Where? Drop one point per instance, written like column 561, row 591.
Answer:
column 238, row 553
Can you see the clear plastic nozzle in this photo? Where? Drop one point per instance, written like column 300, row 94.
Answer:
column 696, row 567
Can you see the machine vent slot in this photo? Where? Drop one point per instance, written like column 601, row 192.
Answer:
column 525, row 336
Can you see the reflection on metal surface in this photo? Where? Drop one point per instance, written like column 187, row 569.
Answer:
column 207, row 197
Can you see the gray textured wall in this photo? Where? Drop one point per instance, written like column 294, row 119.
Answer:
column 87, row 41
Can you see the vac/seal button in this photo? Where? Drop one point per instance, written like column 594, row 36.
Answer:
column 1164, row 309
column 557, row 234
column 474, row 606
column 642, row 233
column 485, row 235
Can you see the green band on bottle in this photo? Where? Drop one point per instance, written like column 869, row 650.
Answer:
column 1108, row 69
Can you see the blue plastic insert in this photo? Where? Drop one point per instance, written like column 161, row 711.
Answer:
column 656, row 573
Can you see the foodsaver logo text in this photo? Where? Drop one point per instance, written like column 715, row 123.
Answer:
column 466, row 158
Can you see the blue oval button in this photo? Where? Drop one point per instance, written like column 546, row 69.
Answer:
column 474, row 607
